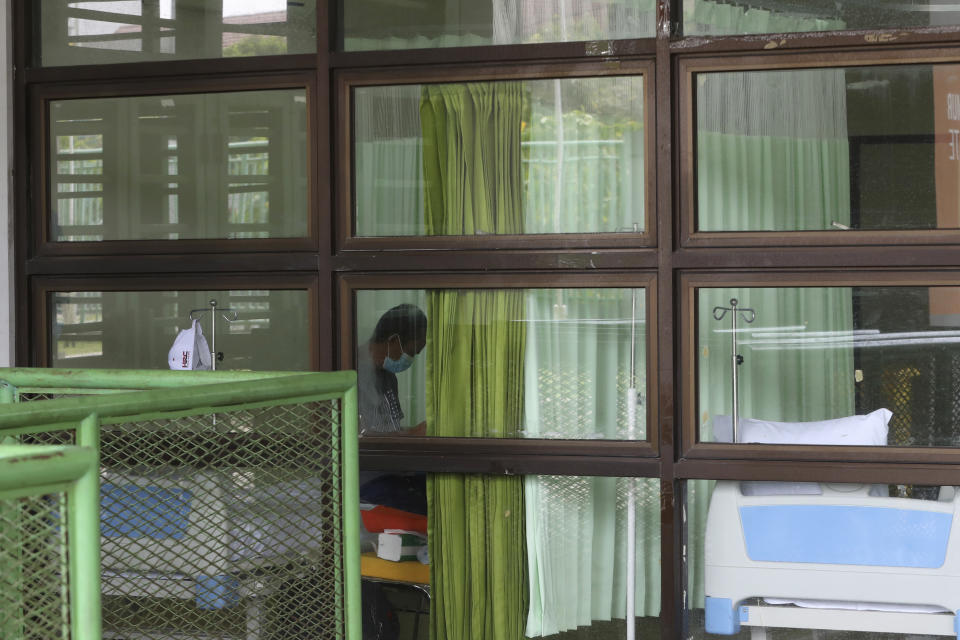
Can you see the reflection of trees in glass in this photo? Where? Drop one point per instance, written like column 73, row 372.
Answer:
column 583, row 154
column 80, row 143
column 257, row 45
column 566, row 21
column 556, row 29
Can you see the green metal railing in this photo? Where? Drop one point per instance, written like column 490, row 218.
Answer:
column 228, row 500
column 49, row 539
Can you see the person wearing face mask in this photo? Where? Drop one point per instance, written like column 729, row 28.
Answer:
column 400, row 334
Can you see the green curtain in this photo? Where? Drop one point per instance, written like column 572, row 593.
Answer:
column 581, row 156
column 577, row 380
column 476, row 341
column 388, row 161
column 471, row 157
column 389, row 200
column 772, row 151
column 577, row 546
column 585, row 163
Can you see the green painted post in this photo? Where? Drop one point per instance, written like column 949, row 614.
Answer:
column 36, row 470
column 84, row 517
column 8, row 393
column 351, row 516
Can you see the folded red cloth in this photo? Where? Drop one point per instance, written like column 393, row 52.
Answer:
column 379, row 518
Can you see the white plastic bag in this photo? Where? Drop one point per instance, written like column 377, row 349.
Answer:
column 189, row 350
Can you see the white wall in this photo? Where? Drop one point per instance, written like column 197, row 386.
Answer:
column 6, row 184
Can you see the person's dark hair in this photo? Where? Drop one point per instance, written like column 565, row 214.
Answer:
column 404, row 320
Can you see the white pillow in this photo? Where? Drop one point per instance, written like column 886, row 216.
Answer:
column 868, row 430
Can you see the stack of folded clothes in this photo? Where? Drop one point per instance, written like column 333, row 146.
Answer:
column 393, row 511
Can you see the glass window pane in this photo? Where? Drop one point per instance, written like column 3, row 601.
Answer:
column 260, row 330
column 369, row 24
column 860, row 148
column 862, row 561
column 730, row 17
column 877, row 365
column 555, row 566
column 532, row 156
column 521, row 363
column 98, row 31
column 219, row 165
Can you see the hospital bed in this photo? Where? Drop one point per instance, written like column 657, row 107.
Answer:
column 828, row 556
column 840, row 558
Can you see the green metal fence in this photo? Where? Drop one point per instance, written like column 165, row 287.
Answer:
column 228, row 500
column 49, row 539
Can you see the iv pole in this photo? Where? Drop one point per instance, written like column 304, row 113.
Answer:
column 213, row 326
column 749, row 315
column 631, row 487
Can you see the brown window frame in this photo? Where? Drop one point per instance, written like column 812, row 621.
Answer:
column 347, row 80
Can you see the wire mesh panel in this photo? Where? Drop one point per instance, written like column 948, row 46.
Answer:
column 222, row 510
column 49, row 580
column 226, row 524
column 33, row 568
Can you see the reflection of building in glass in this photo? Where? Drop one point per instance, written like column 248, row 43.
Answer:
column 182, row 29
column 133, row 166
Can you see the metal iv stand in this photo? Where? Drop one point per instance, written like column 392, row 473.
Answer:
column 213, row 310
column 749, row 315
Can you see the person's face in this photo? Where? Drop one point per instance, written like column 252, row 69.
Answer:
column 396, row 348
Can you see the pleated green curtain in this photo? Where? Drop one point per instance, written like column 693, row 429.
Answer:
column 578, row 567
column 388, row 161
column 475, row 363
column 772, row 151
column 577, row 380
column 471, row 157
column 586, row 174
